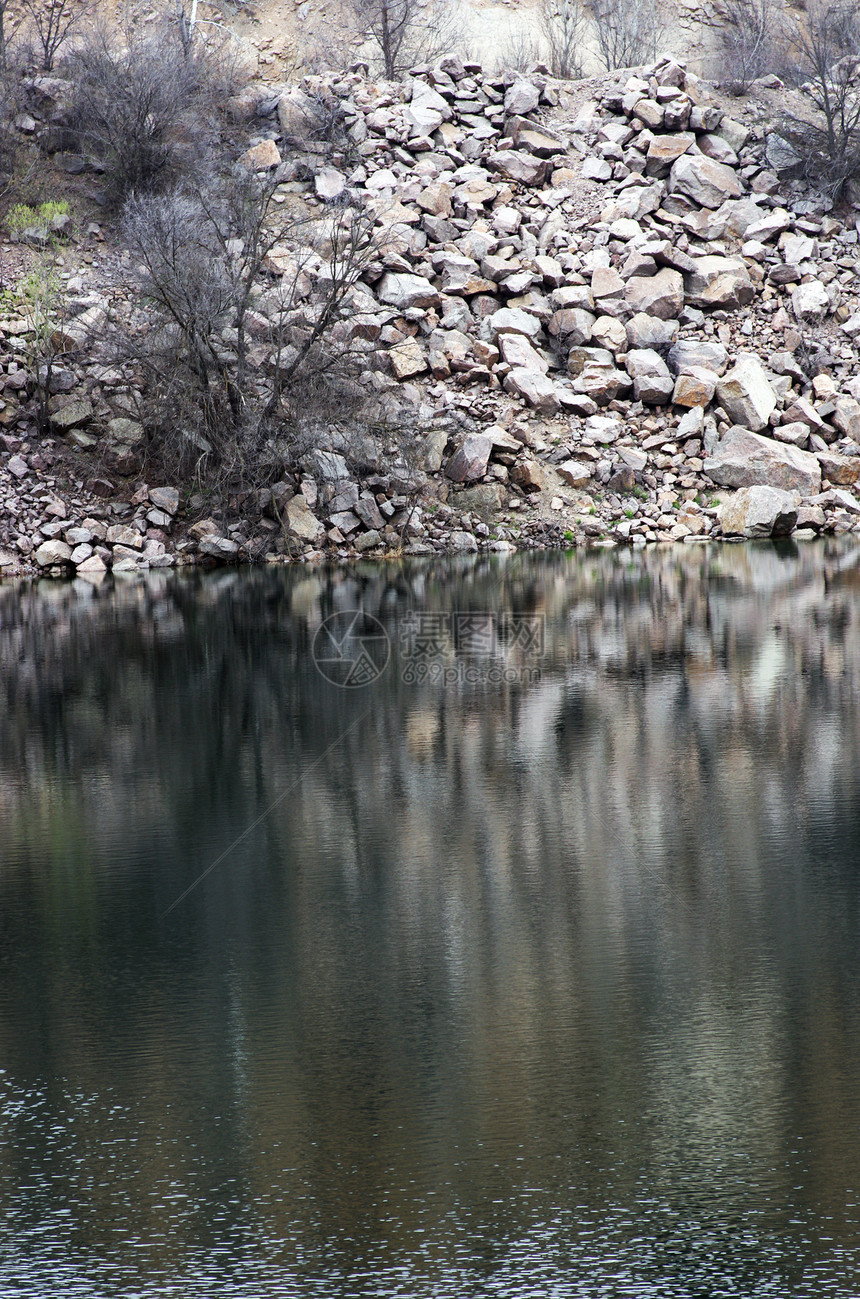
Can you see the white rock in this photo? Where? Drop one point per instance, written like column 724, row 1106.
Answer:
column 810, row 301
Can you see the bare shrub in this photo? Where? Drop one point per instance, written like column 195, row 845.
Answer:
column 626, row 32
column 236, row 365
column 563, row 25
column 406, row 32
column 521, row 51
column 825, row 62
column 750, row 38
column 140, row 109
column 53, row 22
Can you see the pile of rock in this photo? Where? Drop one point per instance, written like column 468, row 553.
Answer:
column 605, row 317
column 47, row 526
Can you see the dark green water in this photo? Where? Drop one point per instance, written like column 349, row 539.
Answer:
column 535, row 973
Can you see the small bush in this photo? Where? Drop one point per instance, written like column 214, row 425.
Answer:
column 750, row 37
column 825, row 64
column 214, row 403
column 626, row 32
column 143, row 111
column 563, row 26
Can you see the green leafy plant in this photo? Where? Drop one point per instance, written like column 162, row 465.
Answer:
column 23, row 217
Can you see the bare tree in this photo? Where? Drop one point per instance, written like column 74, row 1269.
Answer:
column 214, row 397
column 54, row 22
column 750, row 39
column 563, row 26
column 626, row 32
column 406, row 32
column 825, row 44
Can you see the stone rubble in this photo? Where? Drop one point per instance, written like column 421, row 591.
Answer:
column 618, row 323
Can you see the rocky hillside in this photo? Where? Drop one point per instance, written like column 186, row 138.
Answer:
column 605, row 312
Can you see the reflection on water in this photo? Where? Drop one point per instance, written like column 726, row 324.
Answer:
column 544, row 985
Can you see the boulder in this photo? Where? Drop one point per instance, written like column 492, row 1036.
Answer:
column 407, row 358
column 470, row 461
column 759, row 512
column 810, row 302
column 689, row 353
column 706, row 182
column 518, row 352
column 261, row 157
column 842, row 471
column 165, row 498
column 535, row 388
column 521, row 98
column 300, row 522
column 511, row 320
column 695, row 387
column 401, row 290
column 576, row 472
column 603, row 383
column 652, row 382
column 718, row 282
column 664, row 150
column 513, row 164
column 745, row 393
column 427, row 109
column 660, row 295
column 649, row 331
column 572, row 324
column 329, row 184
column 53, row 552
column 746, row 459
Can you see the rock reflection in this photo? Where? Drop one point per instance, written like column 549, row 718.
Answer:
column 495, row 953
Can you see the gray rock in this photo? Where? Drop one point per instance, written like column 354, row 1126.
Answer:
column 652, row 382
column 810, row 302
column 690, row 352
column 746, row 459
column 745, row 393
column 521, row 98
column 165, row 498
column 660, row 295
column 718, row 282
column 470, row 461
column 300, row 522
column 535, row 388
column 649, row 331
column 400, row 290
column 53, row 552
column 759, row 512
column 706, row 182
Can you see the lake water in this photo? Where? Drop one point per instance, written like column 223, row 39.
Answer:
column 503, row 942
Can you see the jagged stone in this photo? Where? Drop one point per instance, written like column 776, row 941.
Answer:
column 759, row 512
column 695, row 387
column 746, row 459
column 300, row 522
column 53, row 552
column 469, row 462
column 403, row 290
column 660, row 295
column 745, row 394
column 718, row 282
column 842, row 471
column 535, row 388
column 706, row 182
column 652, row 382
column 810, row 302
